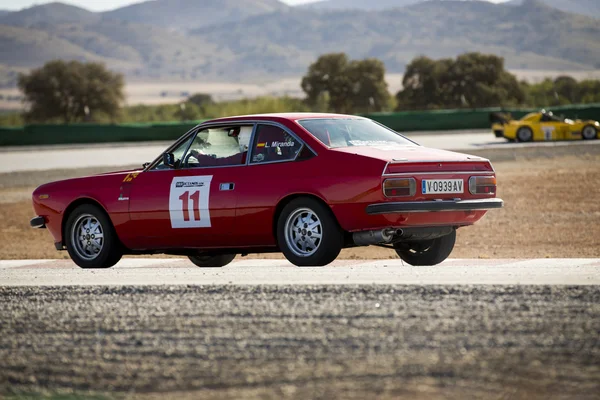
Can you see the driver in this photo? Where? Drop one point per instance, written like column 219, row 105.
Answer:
column 241, row 134
column 198, row 152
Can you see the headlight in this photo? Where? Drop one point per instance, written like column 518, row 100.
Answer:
column 399, row 187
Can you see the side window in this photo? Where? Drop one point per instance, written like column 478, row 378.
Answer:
column 274, row 144
column 219, row 147
column 177, row 153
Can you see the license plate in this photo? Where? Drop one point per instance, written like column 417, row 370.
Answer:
column 440, row 186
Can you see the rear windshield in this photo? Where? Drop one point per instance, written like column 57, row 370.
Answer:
column 352, row 132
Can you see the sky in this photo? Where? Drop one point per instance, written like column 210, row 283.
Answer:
column 102, row 5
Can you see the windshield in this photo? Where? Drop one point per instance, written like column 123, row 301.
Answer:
column 352, row 132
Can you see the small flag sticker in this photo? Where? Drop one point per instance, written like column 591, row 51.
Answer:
column 261, row 145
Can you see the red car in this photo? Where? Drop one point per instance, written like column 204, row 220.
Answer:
column 307, row 185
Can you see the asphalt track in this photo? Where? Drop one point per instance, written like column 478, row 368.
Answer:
column 173, row 271
column 158, row 328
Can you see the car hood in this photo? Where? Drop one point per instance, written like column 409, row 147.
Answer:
column 116, row 176
column 123, row 172
column 411, row 153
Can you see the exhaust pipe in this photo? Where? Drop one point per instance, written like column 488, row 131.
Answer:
column 382, row 236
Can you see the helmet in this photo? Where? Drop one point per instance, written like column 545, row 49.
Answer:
column 244, row 138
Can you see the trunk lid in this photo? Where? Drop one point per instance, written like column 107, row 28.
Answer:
column 403, row 159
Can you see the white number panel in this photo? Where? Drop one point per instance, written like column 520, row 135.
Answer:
column 548, row 132
column 188, row 202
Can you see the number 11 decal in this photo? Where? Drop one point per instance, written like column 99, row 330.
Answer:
column 185, row 197
column 188, row 202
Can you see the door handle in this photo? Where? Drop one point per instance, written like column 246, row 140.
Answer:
column 226, row 186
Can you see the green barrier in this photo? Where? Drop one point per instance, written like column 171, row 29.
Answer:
column 441, row 120
column 436, row 120
column 11, row 136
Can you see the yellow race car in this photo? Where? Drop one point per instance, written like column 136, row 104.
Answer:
column 543, row 126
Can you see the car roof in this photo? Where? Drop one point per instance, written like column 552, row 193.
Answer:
column 283, row 116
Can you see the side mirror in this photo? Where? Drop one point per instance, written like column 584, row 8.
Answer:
column 169, row 160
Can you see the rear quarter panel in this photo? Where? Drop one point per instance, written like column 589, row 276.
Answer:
column 510, row 130
column 336, row 179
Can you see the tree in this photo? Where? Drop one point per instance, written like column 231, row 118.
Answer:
column 422, row 84
column 589, row 90
column 369, row 91
column 328, row 76
column 71, row 91
column 200, row 99
column 567, row 88
column 357, row 86
column 471, row 80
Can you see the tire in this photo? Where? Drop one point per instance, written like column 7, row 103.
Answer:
column 592, row 132
column 84, row 226
column 524, row 134
column 212, row 261
column 427, row 252
column 307, row 218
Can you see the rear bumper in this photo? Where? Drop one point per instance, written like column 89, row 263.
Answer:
column 38, row 222
column 499, row 133
column 434, row 206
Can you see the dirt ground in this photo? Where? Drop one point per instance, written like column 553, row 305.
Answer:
column 551, row 210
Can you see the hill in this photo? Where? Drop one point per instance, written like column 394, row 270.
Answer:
column 360, row 4
column 25, row 47
column 48, row 15
column 584, row 7
column 286, row 41
column 181, row 15
column 186, row 14
column 529, row 36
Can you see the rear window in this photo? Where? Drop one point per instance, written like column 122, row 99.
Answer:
column 352, row 132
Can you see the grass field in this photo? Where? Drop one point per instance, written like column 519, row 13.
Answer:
column 551, row 210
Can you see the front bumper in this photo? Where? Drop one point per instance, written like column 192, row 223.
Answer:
column 434, row 206
column 38, row 222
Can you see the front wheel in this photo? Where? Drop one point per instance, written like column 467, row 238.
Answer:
column 308, row 233
column 91, row 238
column 212, row 261
column 589, row 132
column 525, row 134
column 426, row 252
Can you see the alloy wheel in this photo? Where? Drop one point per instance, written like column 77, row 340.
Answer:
column 87, row 236
column 303, row 232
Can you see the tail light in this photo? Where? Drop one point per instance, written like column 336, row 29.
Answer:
column 482, row 185
column 399, row 187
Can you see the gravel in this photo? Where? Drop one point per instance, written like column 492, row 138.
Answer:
column 353, row 342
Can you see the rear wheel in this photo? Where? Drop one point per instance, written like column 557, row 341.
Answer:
column 91, row 239
column 212, row 261
column 525, row 134
column 589, row 132
column 426, row 252
column 308, row 233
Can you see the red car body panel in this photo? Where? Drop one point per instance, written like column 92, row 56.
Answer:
column 347, row 179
